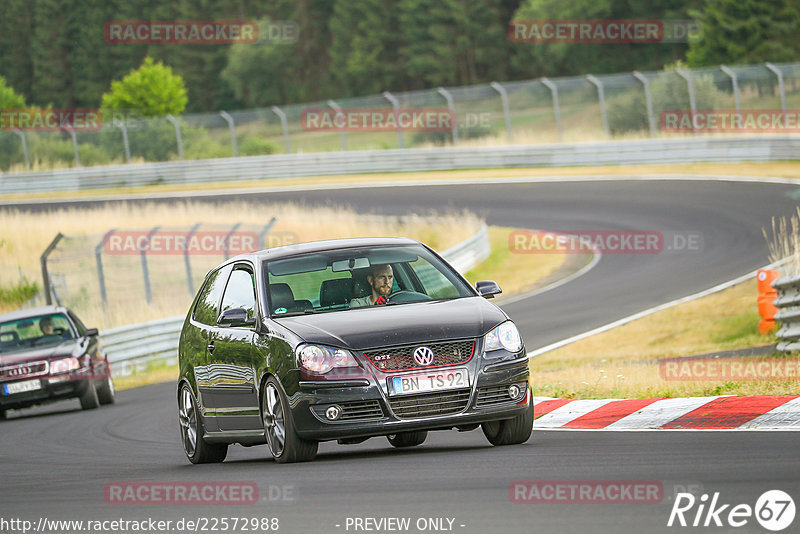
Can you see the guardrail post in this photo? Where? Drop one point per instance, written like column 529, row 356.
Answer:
column 601, row 96
column 686, row 75
column 449, row 99
column 43, row 262
column 556, row 108
column 264, row 231
column 284, row 126
column 506, row 114
column 648, row 99
column 121, row 125
column 396, row 107
column 227, row 237
column 186, row 261
column 71, row 133
column 22, row 138
column 781, row 87
column 178, row 138
column 334, row 106
column 98, row 256
column 232, row 127
column 735, row 85
column 145, row 271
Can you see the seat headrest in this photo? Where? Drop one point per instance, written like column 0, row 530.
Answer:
column 281, row 296
column 333, row 292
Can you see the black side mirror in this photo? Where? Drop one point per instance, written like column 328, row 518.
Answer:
column 91, row 332
column 235, row 317
column 488, row 288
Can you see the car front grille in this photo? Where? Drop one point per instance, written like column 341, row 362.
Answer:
column 23, row 370
column 430, row 404
column 402, row 358
column 353, row 411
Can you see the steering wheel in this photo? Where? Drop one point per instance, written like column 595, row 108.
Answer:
column 406, row 295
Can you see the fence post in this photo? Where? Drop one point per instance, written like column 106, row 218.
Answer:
column 284, row 126
column 506, row 114
column 178, row 138
column 781, row 88
column 601, row 95
column 21, row 135
column 649, row 99
column 396, row 106
column 43, row 262
column 227, row 237
column 121, row 125
column 449, row 99
column 101, row 277
column 334, row 106
column 232, row 127
column 263, row 233
column 556, row 108
column 145, row 272
column 186, row 261
column 686, row 75
column 71, row 133
column 735, row 85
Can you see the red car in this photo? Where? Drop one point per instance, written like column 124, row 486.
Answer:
column 47, row 354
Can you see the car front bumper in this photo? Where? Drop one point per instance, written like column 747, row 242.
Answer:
column 52, row 389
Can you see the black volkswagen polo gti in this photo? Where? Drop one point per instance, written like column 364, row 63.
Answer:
column 346, row 340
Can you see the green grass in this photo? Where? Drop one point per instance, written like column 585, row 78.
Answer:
column 14, row 296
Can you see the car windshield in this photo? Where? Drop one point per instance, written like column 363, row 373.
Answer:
column 340, row 280
column 23, row 334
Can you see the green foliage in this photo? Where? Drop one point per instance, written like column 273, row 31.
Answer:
column 257, row 146
column 745, row 31
column 8, row 98
column 150, row 91
column 17, row 295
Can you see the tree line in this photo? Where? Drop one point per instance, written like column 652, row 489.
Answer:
column 53, row 52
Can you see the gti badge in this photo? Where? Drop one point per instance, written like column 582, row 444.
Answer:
column 423, row 356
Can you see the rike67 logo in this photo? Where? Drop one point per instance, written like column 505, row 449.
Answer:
column 774, row 510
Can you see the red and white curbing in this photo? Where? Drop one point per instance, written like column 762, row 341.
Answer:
column 724, row 412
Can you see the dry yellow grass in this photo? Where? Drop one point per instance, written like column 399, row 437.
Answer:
column 623, row 362
column 786, row 169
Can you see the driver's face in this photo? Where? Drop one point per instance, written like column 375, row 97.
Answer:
column 47, row 328
column 382, row 281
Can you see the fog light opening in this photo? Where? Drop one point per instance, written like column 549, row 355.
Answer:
column 333, row 412
column 514, row 391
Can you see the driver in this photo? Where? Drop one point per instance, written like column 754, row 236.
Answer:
column 46, row 326
column 380, row 280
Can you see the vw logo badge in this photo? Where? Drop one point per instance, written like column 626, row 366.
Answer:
column 423, row 356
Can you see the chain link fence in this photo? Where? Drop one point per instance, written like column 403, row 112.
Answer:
column 568, row 109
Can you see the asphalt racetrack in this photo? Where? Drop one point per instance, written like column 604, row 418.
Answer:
column 57, row 461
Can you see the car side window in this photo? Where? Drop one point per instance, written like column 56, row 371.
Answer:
column 240, row 292
column 207, row 308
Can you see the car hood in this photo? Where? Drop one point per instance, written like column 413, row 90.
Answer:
column 381, row 326
column 72, row 347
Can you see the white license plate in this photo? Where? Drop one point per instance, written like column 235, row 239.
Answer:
column 21, row 387
column 435, row 380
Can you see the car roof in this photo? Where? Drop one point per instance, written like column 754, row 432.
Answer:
column 287, row 251
column 32, row 312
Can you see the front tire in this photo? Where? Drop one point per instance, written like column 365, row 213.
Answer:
column 284, row 444
column 197, row 450
column 510, row 431
column 105, row 390
column 88, row 398
column 407, row 439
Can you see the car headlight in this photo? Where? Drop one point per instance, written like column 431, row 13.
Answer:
column 63, row 366
column 505, row 336
column 320, row 359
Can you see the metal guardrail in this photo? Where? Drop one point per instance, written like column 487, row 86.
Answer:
column 131, row 348
column 788, row 303
column 646, row 151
